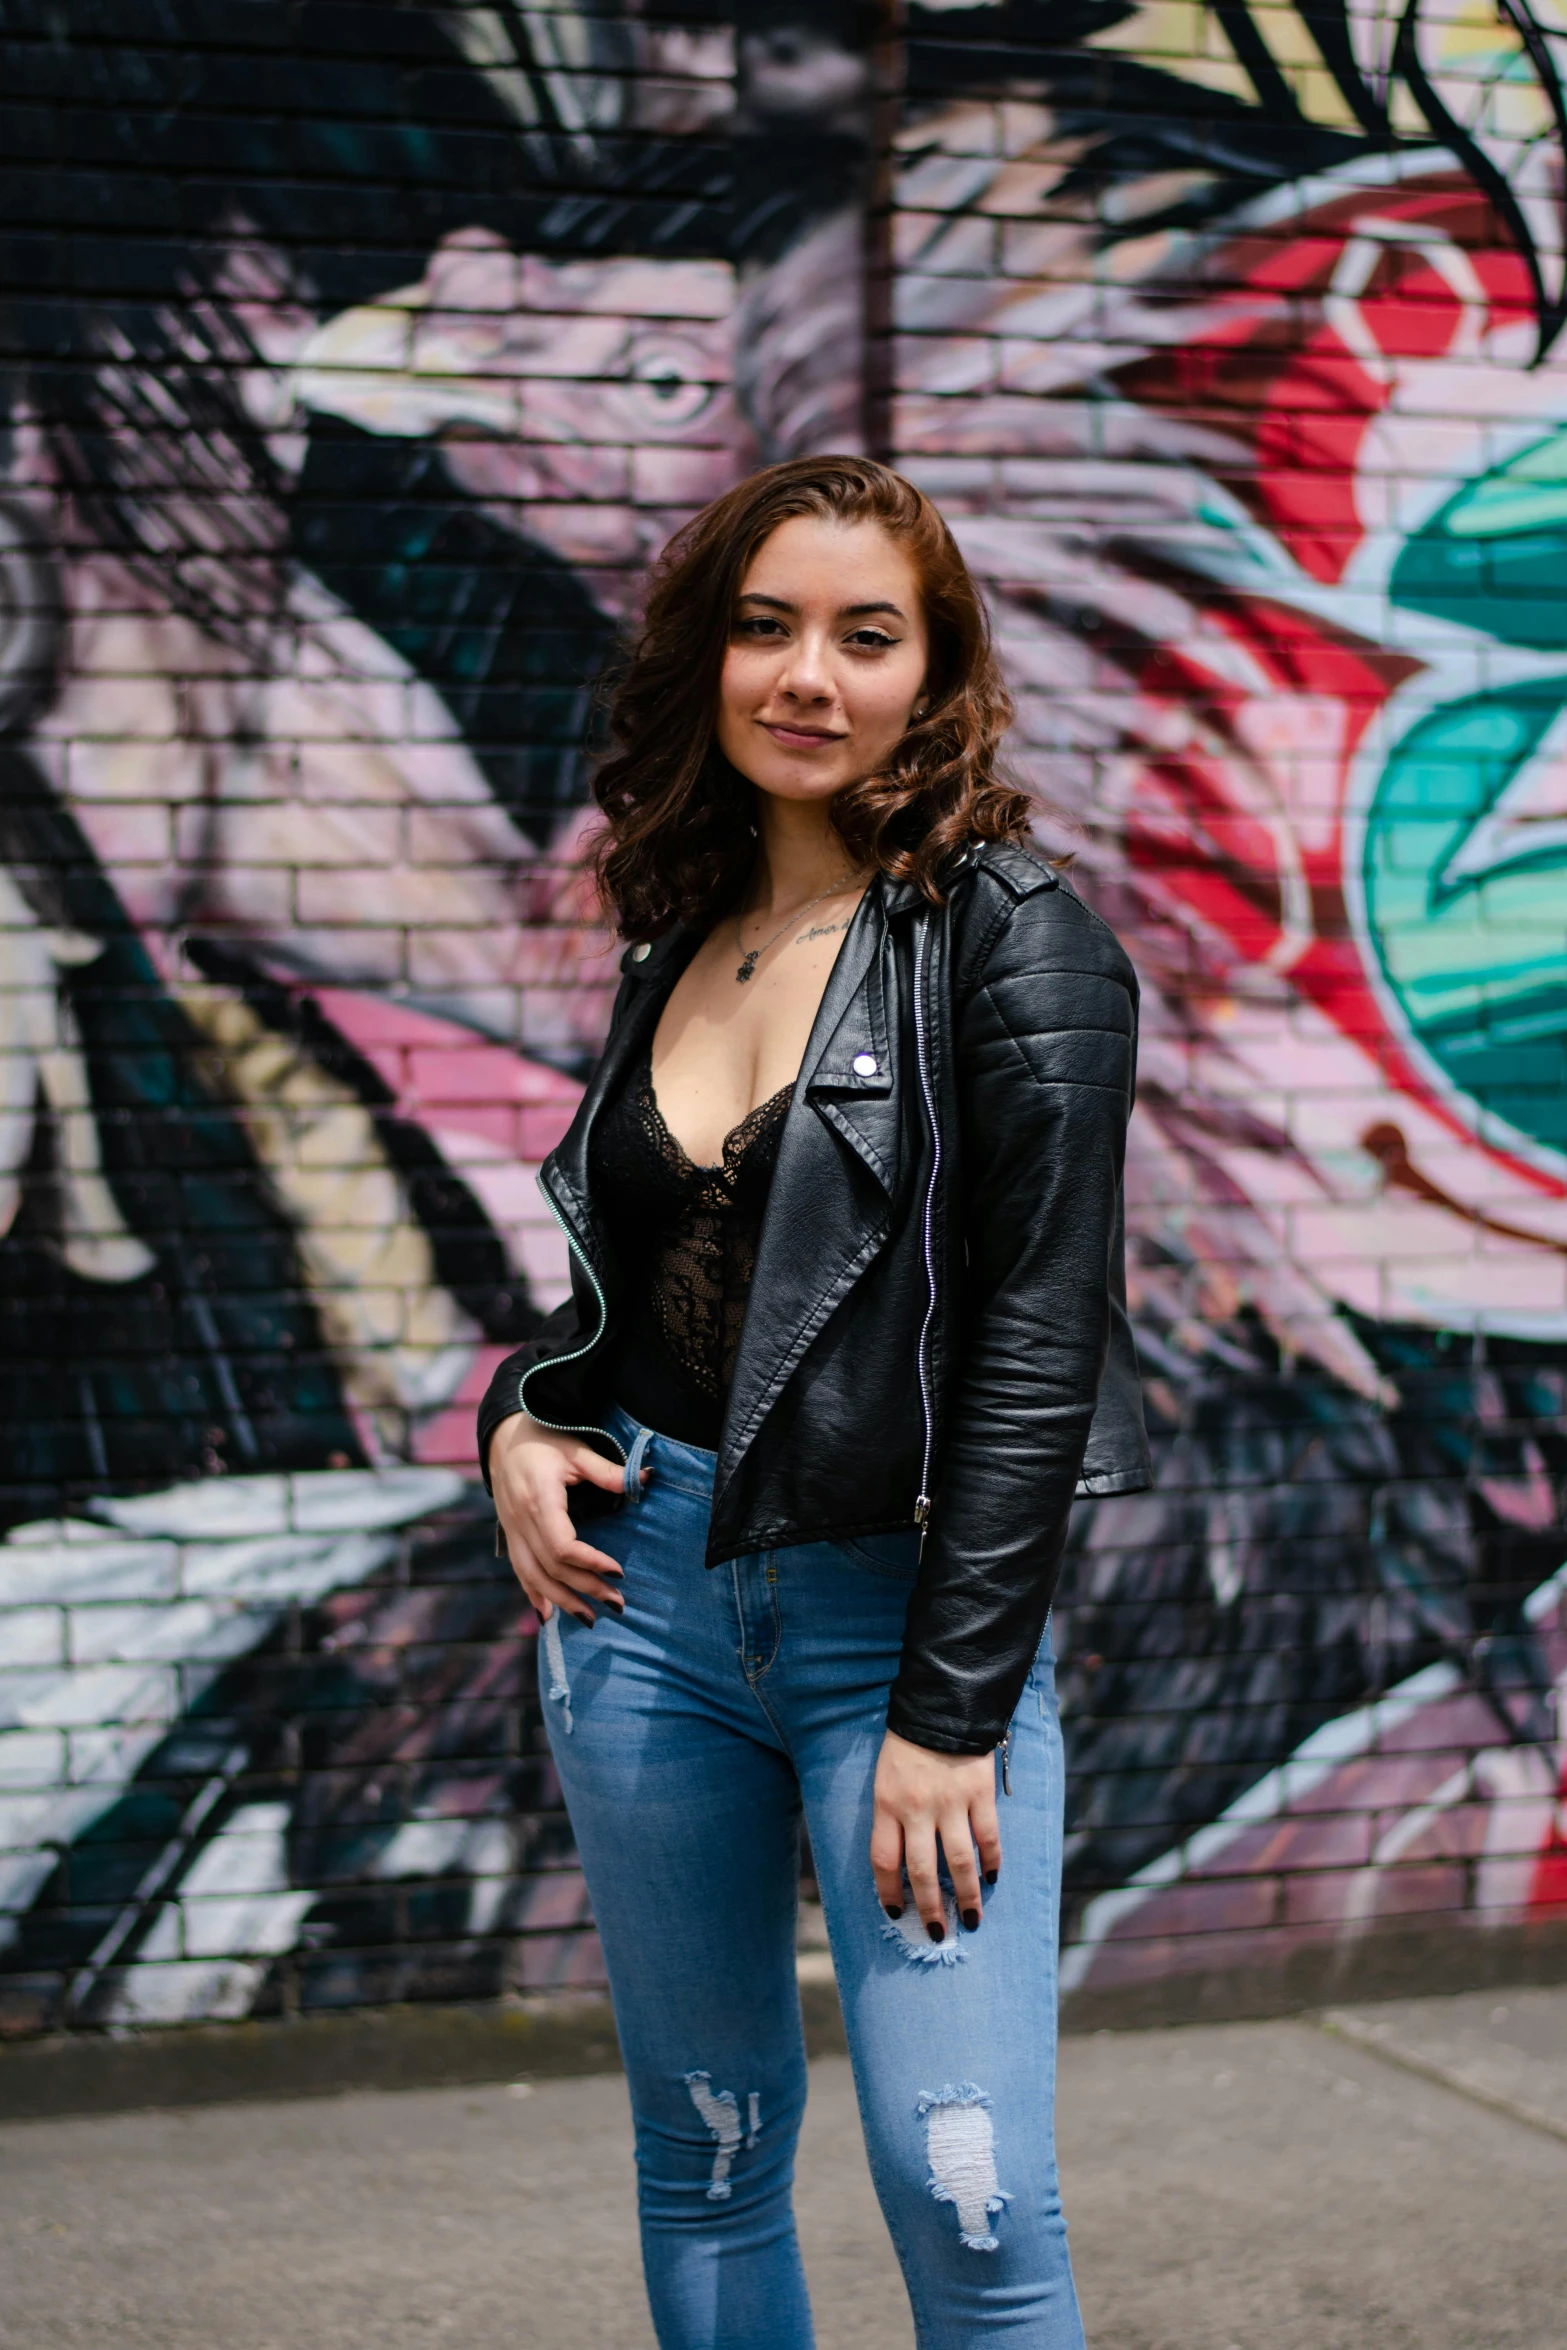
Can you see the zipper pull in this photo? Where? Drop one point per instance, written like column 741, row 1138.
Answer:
column 922, row 1519
column 1006, row 1761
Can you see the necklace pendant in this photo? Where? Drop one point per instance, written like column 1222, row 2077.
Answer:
column 747, row 966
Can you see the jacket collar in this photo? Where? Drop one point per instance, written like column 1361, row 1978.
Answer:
column 652, row 973
column 649, row 962
column 898, row 897
column 847, row 1075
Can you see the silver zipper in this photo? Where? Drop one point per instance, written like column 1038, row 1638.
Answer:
column 922, row 1505
column 559, row 1362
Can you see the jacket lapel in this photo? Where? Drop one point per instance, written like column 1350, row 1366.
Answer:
column 564, row 1174
column 829, row 1209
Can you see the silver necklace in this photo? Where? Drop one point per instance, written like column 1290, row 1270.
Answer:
column 751, row 956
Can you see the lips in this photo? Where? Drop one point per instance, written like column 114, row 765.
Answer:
column 800, row 734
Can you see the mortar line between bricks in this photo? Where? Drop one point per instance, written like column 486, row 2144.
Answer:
column 1424, row 2068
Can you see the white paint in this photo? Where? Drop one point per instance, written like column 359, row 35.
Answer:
column 151, row 1608
column 476, row 1852
column 207, row 1952
column 40, row 1049
column 309, row 1501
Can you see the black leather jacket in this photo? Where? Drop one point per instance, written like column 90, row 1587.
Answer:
column 936, row 1332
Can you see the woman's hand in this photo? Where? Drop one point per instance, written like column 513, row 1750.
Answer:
column 920, row 1796
column 531, row 1470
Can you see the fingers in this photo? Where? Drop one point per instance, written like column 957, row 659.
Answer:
column 957, row 1843
column 547, row 1595
column 533, row 1470
column 919, row 1858
column 887, row 1860
column 555, row 1543
column 597, row 1470
column 548, row 1589
column 929, row 1806
column 987, row 1831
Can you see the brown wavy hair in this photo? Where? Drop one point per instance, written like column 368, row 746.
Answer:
column 677, row 843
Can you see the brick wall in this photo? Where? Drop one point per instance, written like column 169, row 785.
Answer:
column 357, row 358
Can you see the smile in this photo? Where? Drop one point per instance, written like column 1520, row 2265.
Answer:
column 803, row 738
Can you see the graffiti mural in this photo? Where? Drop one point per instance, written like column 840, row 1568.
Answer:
column 1233, row 335
column 346, row 405
column 348, row 390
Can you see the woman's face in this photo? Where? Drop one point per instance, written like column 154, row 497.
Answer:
column 825, row 661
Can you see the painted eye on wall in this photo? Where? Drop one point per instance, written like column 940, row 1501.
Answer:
column 670, row 391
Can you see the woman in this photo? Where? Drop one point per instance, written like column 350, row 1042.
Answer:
column 847, row 1330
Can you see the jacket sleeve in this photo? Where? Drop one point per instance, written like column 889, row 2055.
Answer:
column 1045, row 1048
column 557, row 1335
column 501, row 1399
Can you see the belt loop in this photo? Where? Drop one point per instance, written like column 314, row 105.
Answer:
column 633, row 1483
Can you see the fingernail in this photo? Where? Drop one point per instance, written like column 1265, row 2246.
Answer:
column 937, row 1932
column 971, row 1920
column 991, row 1875
column 894, row 1910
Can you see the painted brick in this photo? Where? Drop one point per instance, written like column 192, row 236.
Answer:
column 297, row 986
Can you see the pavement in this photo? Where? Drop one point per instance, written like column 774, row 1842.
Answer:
column 1378, row 2178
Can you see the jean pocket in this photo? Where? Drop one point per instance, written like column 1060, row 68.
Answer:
column 896, row 1553
column 586, row 1502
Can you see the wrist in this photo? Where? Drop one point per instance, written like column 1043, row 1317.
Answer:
column 919, row 1740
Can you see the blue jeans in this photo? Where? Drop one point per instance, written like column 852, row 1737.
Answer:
column 688, row 1738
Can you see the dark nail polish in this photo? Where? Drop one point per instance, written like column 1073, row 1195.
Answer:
column 893, row 1912
column 991, row 1875
column 971, row 1920
column 937, row 1932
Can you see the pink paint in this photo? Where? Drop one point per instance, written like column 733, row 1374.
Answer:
column 449, row 1441
column 444, row 1075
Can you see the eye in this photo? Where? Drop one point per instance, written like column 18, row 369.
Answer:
column 758, row 624
column 666, row 375
column 875, row 640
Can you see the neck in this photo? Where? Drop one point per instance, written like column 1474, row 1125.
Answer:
column 800, row 855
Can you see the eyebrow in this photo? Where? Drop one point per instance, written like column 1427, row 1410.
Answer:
column 845, row 611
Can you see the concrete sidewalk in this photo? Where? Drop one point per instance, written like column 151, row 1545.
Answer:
column 1390, row 2178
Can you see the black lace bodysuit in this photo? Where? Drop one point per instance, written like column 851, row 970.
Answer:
column 685, row 1238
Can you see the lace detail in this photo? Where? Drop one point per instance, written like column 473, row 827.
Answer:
column 690, row 1232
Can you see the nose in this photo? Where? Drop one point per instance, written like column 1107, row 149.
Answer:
column 805, row 676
